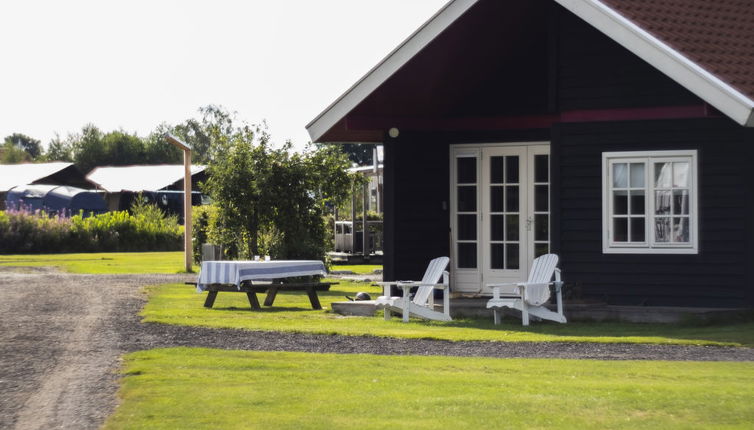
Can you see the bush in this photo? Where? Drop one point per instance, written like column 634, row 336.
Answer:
column 147, row 229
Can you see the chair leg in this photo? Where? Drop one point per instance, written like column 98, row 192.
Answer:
column 387, row 314
column 496, row 316
column 524, row 313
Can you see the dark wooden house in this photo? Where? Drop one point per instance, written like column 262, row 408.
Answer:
column 615, row 133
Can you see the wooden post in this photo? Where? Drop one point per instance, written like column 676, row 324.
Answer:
column 365, row 234
column 188, row 249
column 187, row 221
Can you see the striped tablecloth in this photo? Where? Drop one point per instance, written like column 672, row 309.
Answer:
column 235, row 272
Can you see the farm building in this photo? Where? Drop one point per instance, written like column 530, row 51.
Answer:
column 58, row 173
column 615, row 133
column 56, row 199
column 159, row 184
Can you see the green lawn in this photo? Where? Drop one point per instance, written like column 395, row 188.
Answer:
column 181, row 305
column 359, row 269
column 103, row 263
column 213, row 389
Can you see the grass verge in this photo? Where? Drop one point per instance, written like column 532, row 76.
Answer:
column 202, row 388
column 181, row 305
column 103, row 262
column 359, row 269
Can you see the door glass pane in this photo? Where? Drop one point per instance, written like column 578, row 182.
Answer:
column 620, row 202
column 496, row 199
column 467, row 255
column 620, row 175
column 467, row 199
column 680, row 229
column 466, row 227
column 662, row 202
column 681, row 202
column 681, row 174
column 663, row 175
column 541, row 249
column 496, row 170
column 637, row 175
column 496, row 256
column 662, row 229
column 637, row 202
column 511, row 256
column 541, row 227
column 541, row 198
column 511, row 228
column 497, row 227
column 511, row 198
column 511, row 169
column 466, row 170
column 638, row 231
column 620, row 230
column 541, row 168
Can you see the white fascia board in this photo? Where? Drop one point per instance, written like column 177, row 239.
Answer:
column 387, row 67
column 664, row 58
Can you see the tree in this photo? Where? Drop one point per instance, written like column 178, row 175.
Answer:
column 360, row 153
column 31, row 146
column 271, row 200
column 59, row 149
column 12, row 154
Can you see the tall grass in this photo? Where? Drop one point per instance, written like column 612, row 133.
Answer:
column 146, row 229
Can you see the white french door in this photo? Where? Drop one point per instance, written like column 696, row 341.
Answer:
column 500, row 217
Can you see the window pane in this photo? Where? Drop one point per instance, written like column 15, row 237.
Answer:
column 511, row 228
column 663, row 175
column 541, row 249
column 541, row 227
column 466, row 227
column 637, row 230
column 496, row 170
column 620, row 175
column 541, row 198
column 497, row 227
column 466, row 170
column 680, row 230
column 467, row 199
column 541, row 168
column 681, row 202
column 467, row 255
column 620, row 202
column 511, row 256
column 620, row 230
column 662, row 229
column 511, row 199
column 496, row 199
column 637, row 203
column 511, row 169
column 637, row 175
column 681, row 174
column 497, row 260
column 662, row 202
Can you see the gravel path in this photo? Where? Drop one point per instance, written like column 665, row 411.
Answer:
column 62, row 336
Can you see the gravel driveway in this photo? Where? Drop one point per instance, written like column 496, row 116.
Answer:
column 62, row 336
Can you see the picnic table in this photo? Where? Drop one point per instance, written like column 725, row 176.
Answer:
column 252, row 277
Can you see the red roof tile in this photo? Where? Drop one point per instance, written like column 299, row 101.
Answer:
column 718, row 35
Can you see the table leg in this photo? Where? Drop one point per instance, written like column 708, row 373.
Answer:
column 272, row 292
column 253, row 300
column 211, row 296
column 313, row 299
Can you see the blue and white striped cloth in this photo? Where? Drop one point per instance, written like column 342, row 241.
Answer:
column 235, row 272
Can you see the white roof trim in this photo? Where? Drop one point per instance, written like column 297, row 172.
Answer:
column 387, row 67
column 710, row 88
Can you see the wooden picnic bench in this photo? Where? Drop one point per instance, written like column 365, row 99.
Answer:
column 272, row 289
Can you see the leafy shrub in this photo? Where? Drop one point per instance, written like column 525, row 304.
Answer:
column 37, row 232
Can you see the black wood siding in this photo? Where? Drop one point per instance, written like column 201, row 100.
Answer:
column 594, row 72
column 720, row 275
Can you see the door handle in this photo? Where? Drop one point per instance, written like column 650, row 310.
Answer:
column 529, row 222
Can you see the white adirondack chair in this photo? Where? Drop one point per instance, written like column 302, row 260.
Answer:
column 422, row 305
column 529, row 297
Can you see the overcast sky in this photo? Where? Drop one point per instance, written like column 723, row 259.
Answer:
column 135, row 64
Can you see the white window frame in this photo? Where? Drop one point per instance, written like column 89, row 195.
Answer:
column 649, row 246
